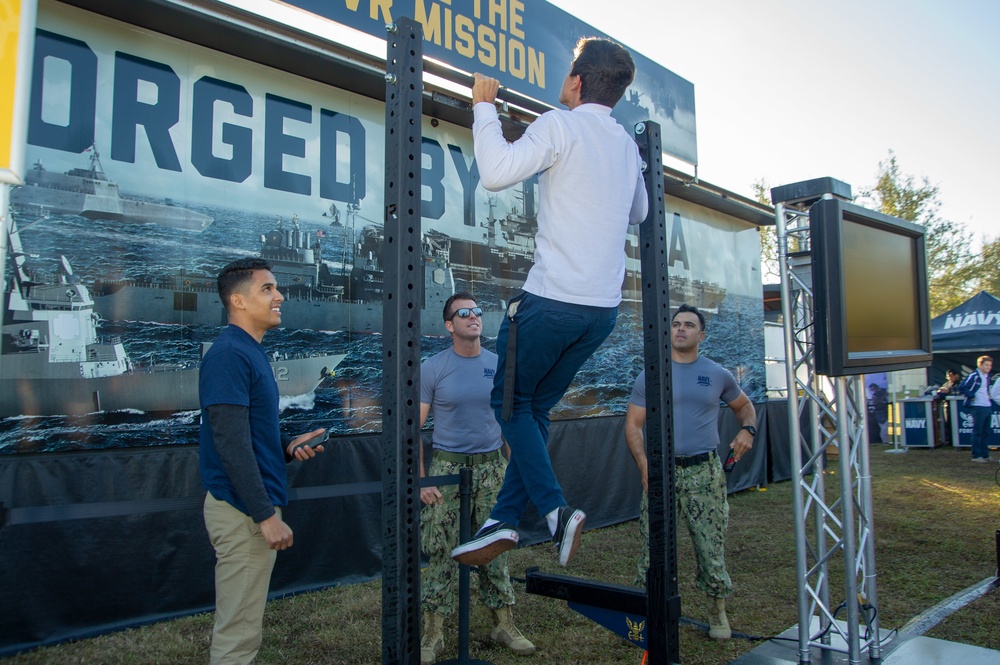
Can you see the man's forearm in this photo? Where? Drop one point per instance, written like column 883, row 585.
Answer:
column 747, row 415
column 231, row 434
column 636, row 441
column 636, row 444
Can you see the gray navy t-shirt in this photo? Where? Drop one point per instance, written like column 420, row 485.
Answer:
column 458, row 390
column 698, row 388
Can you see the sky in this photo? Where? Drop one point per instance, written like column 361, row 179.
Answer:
column 789, row 90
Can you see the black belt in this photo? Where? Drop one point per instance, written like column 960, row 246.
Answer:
column 510, row 369
column 467, row 460
column 693, row 460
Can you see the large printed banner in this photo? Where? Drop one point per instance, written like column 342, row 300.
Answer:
column 528, row 46
column 154, row 162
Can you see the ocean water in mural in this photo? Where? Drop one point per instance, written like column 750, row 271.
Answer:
column 348, row 401
column 153, row 260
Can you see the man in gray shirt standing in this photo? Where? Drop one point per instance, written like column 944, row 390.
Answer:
column 455, row 384
column 699, row 386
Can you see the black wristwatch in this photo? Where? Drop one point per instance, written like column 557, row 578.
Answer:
column 751, row 429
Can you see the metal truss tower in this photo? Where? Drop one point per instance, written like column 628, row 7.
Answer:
column 827, row 420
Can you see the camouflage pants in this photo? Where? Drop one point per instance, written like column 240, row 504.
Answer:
column 701, row 503
column 439, row 534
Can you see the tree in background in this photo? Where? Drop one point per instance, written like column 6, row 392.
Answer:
column 951, row 266
column 987, row 272
column 768, row 238
column 954, row 272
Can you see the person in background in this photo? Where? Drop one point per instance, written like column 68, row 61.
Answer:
column 951, row 383
column 242, row 459
column 948, row 388
column 590, row 189
column 976, row 388
column 455, row 386
column 699, row 386
column 878, row 406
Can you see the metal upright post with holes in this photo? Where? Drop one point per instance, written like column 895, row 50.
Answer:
column 662, row 600
column 402, row 300
column 826, row 416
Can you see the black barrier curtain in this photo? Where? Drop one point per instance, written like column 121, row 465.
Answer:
column 751, row 470
column 98, row 541
column 961, row 362
column 138, row 551
column 150, row 557
column 777, row 436
column 596, row 472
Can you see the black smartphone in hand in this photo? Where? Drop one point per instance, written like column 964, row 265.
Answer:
column 314, row 442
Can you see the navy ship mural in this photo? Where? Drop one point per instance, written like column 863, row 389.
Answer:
column 88, row 192
column 55, row 362
column 344, row 293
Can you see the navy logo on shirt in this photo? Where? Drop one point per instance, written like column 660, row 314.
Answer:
column 704, row 381
column 489, row 373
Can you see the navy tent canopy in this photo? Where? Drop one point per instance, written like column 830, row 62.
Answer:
column 962, row 334
column 972, row 326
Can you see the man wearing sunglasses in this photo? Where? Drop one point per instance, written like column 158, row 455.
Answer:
column 455, row 384
column 590, row 189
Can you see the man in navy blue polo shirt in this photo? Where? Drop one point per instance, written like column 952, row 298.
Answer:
column 242, row 459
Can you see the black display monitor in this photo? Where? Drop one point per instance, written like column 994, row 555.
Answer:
column 870, row 302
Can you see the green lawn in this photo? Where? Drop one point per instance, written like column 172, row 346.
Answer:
column 936, row 516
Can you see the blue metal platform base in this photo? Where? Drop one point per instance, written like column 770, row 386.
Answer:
column 900, row 650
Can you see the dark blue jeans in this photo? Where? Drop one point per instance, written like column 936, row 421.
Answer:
column 980, row 430
column 554, row 339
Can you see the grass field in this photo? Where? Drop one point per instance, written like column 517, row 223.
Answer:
column 936, row 516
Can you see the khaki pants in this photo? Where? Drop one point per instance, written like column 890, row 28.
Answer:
column 242, row 575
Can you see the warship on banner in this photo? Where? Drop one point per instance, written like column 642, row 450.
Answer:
column 629, row 111
column 344, row 293
column 502, row 265
column 508, row 264
column 89, row 193
column 55, row 363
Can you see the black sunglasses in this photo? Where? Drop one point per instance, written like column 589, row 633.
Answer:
column 466, row 312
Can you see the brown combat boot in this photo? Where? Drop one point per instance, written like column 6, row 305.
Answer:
column 718, row 624
column 507, row 634
column 431, row 638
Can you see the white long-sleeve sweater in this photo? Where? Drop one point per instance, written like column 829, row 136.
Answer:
column 590, row 190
